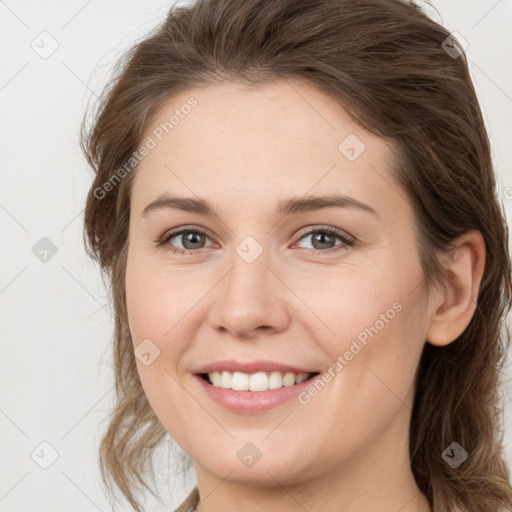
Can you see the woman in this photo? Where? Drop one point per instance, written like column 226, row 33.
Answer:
column 359, row 371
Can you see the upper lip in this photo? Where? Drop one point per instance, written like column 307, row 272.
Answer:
column 231, row 365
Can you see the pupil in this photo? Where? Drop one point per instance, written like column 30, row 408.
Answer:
column 189, row 238
column 322, row 235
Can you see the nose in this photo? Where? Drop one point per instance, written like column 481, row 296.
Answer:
column 251, row 300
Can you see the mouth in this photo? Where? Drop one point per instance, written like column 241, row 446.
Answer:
column 254, row 386
column 255, row 382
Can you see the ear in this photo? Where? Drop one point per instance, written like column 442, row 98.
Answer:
column 452, row 308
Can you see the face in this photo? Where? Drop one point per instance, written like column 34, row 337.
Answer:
column 264, row 286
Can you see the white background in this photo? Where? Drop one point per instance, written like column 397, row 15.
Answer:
column 55, row 323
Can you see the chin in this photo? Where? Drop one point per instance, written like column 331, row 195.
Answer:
column 263, row 473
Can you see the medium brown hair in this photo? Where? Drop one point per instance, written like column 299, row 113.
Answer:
column 385, row 63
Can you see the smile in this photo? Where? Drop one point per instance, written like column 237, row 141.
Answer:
column 253, row 393
column 259, row 381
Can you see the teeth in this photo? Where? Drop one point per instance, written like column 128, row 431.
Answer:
column 239, row 381
column 257, row 381
column 260, row 381
column 301, row 377
column 275, row 380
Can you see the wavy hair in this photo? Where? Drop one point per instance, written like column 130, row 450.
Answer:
column 385, row 62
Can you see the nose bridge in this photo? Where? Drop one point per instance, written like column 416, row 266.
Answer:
column 248, row 279
column 251, row 296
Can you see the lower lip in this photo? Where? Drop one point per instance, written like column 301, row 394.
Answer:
column 253, row 401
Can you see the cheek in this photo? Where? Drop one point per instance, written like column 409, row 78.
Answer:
column 157, row 312
column 164, row 306
column 373, row 325
column 373, row 359
column 350, row 303
column 382, row 351
column 157, row 300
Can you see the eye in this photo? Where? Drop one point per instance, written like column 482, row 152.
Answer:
column 191, row 242
column 324, row 239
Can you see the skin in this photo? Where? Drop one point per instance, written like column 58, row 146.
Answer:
column 243, row 149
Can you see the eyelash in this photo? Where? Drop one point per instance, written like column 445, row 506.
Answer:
column 347, row 241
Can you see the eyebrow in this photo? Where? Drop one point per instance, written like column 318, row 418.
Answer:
column 284, row 207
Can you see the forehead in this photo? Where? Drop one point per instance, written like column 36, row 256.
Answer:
column 255, row 142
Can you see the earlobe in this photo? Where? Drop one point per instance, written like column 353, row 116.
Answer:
column 454, row 307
